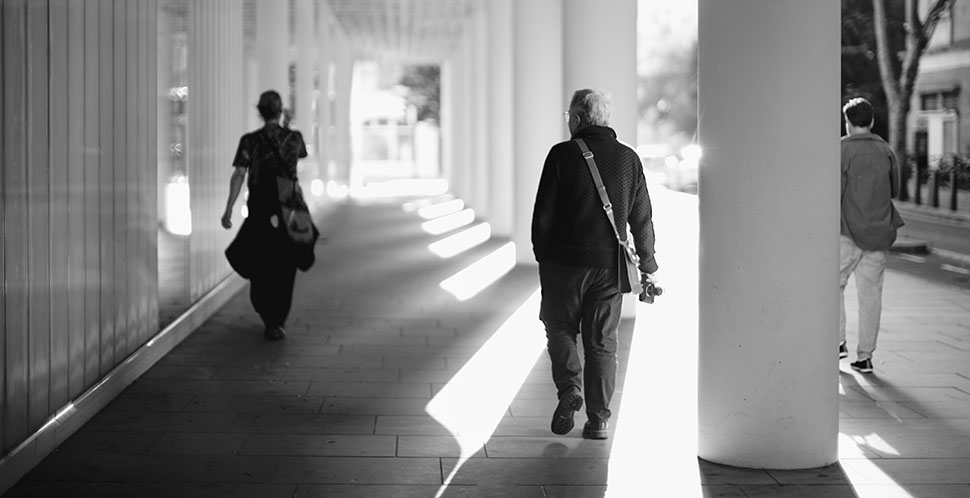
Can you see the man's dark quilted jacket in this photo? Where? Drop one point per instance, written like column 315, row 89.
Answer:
column 569, row 225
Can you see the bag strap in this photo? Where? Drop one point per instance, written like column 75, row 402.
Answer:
column 276, row 146
column 600, row 188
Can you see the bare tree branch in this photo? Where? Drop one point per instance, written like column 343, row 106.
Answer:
column 933, row 17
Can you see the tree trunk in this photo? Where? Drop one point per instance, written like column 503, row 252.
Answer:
column 897, row 140
column 899, row 86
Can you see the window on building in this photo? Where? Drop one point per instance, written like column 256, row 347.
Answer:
column 951, row 99
column 929, row 101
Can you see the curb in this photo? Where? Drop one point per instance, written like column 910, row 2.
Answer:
column 939, row 213
column 908, row 245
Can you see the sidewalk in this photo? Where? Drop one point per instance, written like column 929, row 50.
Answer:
column 389, row 386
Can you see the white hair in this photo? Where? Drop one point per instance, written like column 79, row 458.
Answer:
column 594, row 107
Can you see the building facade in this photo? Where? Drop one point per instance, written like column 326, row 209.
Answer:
column 941, row 98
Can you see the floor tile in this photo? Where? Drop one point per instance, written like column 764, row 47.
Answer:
column 370, row 390
column 203, row 490
column 909, row 471
column 715, row 474
column 410, row 425
column 254, row 403
column 800, row 491
column 319, row 445
column 327, row 374
column 154, row 402
column 33, row 489
column 551, row 446
column 587, row 471
column 92, row 442
column 430, row 446
column 155, row 468
column 358, row 470
column 161, row 421
column 275, row 423
column 188, row 443
column 829, row 475
column 365, row 491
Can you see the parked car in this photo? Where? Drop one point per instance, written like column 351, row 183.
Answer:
column 674, row 169
column 682, row 170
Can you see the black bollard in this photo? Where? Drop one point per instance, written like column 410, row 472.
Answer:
column 953, row 188
column 922, row 163
column 935, row 188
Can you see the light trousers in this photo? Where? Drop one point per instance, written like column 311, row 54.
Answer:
column 868, row 268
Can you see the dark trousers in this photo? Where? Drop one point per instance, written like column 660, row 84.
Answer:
column 271, row 292
column 271, row 282
column 582, row 301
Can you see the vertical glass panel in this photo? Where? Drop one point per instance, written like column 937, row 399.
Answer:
column 175, row 220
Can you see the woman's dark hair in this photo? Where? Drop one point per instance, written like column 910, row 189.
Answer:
column 270, row 105
column 858, row 111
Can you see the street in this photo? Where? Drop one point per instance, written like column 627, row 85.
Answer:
column 940, row 233
column 948, row 239
column 932, row 267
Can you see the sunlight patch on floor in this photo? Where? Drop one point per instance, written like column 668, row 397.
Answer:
column 441, row 209
column 474, row 401
column 656, row 422
column 477, row 276
column 449, row 222
column 414, row 205
column 461, row 241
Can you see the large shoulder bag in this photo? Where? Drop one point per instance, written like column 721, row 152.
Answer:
column 295, row 217
column 628, row 262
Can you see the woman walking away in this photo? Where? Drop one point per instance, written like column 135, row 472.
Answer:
column 265, row 154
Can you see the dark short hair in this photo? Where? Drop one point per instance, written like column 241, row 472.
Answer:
column 270, row 105
column 858, row 111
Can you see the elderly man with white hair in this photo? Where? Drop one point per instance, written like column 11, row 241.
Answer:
column 577, row 249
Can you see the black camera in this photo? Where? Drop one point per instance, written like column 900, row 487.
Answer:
column 650, row 290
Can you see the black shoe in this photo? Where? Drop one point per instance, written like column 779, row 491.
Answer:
column 843, row 351
column 274, row 333
column 864, row 366
column 562, row 419
column 596, row 430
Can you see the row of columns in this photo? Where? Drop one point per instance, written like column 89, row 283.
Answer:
column 767, row 394
column 320, row 94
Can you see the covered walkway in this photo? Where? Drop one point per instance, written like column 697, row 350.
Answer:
column 388, row 385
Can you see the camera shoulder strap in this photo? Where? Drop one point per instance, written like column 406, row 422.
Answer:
column 600, row 188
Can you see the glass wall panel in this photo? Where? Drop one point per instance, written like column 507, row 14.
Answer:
column 174, row 208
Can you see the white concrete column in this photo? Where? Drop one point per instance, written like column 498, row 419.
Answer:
column 537, row 113
column 323, row 61
column 461, row 99
column 448, row 158
column 272, row 48
column 343, row 81
column 500, row 130
column 305, row 52
column 769, row 218
column 479, row 147
column 600, row 52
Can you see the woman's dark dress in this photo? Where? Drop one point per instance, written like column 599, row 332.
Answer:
column 267, row 153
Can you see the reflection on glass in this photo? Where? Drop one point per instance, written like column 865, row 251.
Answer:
column 175, row 217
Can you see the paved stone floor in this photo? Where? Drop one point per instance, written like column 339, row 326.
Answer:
column 389, row 386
